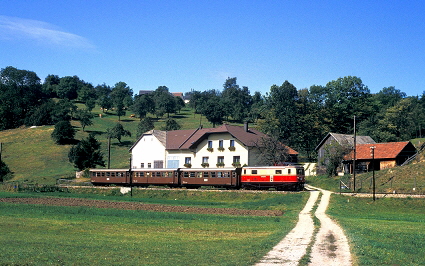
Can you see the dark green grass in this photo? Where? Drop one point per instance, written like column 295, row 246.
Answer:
column 385, row 232
column 39, row 234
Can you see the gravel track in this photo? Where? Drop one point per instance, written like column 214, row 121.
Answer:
column 330, row 245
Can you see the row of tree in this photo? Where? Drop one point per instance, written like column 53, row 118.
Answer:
column 299, row 118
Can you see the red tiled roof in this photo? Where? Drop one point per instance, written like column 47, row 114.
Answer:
column 388, row 150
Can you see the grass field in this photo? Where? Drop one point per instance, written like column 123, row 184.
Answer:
column 39, row 234
column 385, row 232
column 34, row 158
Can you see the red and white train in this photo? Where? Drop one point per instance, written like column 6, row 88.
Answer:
column 282, row 177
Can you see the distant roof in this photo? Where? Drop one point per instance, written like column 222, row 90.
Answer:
column 177, row 94
column 141, row 92
column 187, row 139
column 345, row 139
column 389, row 150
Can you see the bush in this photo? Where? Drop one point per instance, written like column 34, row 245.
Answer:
column 63, row 133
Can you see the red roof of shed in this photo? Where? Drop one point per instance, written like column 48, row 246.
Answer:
column 388, row 150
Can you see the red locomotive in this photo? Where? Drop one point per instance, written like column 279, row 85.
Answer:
column 284, row 177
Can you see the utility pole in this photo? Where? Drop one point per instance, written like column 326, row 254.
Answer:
column 354, row 156
column 372, row 151
column 109, row 152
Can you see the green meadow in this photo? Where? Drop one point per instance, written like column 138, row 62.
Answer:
column 388, row 231
column 40, row 235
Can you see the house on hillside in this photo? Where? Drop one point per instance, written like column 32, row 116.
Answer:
column 386, row 155
column 224, row 146
column 342, row 139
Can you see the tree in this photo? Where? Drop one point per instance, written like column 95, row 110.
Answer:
column 237, row 102
column 50, row 85
column 63, row 133
column 85, row 117
column 164, row 101
column 86, row 154
column 171, row 124
column 179, row 103
column 145, row 125
column 5, row 173
column 213, row 111
column 118, row 131
column 334, row 155
column 272, row 151
column 63, row 110
column 282, row 99
column 119, row 94
column 20, row 95
column 143, row 104
column 43, row 115
column 68, row 87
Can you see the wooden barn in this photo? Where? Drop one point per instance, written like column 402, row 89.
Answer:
column 386, row 155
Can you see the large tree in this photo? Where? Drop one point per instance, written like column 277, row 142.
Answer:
column 20, row 95
column 119, row 95
column 143, row 104
column 282, row 101
column 5, row 173
column 164, row 101
column 86, row 154
column 145, row 125
column 63, row 133
column 118, row 132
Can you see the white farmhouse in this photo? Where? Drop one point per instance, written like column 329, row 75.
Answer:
column 224, row 146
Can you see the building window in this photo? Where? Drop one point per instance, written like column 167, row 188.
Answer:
column 236, row 159
column 142, row 165
column 210, row 144
column 149, row 165
column 204, row 159
column 220, row 159
column 220, row 143
column 232, row 143
column 187, row 160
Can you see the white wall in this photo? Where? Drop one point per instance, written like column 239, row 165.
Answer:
column 147, row 150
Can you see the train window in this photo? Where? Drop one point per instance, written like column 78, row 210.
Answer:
column 219, row 174
column 103, row 173
column 112, row 173
column 254, row 172
column 108, row 174
column 97, row 174
column 185, row 174
column 192, row 174
column 300, row 171
column 141, row 174
column 244, row 171
column 213, row 174
column 206, row 175
column 199, row 174
column 227, row 174
column 158, row 174
column 278, row 172
column 289, row 171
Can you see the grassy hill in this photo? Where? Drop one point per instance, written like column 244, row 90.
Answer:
column 33, row 156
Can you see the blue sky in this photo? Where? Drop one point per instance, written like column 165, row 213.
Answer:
column 198, row 44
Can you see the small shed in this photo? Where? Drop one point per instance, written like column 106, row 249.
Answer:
column 385, row 155
column 342, row 139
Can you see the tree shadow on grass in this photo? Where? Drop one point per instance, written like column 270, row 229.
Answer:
column 126, row 143
column 95, row 132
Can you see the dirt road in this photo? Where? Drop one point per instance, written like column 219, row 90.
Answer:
column 328, row 247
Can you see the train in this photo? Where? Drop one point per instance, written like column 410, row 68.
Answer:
column 279, row 177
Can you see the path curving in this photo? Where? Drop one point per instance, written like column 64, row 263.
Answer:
column 330, row 245
column 293, row 247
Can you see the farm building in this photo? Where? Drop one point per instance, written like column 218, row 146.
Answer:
column 341, row 139
column 224, row 146
column 386, row 155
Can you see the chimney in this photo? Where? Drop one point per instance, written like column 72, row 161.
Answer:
column 245, row 126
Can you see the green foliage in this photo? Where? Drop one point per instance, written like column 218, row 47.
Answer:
column 145, row 125
column 334, row 154
column 5, row 173
column 68, row 87
column 63, row 133
column 20, row 94
column 86, row 154
column 118, row 132
column 171, row 124
column 85, row 117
